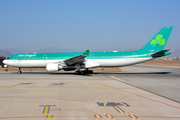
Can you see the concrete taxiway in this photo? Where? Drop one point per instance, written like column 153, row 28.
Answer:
column 137, row 93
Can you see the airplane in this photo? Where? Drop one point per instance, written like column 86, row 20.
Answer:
column 82, row 62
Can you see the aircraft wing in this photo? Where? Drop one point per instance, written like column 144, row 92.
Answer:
column 77, row 59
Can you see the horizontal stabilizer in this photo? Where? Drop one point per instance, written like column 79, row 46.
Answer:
column 161, row 53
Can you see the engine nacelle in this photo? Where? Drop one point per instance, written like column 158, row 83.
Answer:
column 50, row 67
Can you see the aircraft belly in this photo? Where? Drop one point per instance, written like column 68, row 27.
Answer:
column 32, row 63
column 120, row 62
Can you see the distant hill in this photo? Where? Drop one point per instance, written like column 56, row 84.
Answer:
column 14, row 51
column 4, row 53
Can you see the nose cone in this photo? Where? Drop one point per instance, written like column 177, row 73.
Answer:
column 5, row 61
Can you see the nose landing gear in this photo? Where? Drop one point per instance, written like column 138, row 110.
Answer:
column 19, row 70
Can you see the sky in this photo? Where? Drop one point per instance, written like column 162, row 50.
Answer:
column 97, row 25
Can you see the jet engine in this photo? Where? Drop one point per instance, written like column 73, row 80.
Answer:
column 50, row 67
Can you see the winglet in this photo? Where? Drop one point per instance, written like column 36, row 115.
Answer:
column 86, row 52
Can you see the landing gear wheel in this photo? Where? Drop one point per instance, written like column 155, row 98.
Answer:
column 90, row 71
column 82, row 72
column 19, row 70
column 85, row 72
column 77, row 72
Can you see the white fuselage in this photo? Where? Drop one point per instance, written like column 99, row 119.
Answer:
column 101, row 62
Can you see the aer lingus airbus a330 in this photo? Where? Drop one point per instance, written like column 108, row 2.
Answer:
column 78, row 61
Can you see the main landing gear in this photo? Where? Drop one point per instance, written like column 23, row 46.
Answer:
column 84, row 72
column 19, row 70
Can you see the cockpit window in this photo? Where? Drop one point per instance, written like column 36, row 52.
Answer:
column 7, row 58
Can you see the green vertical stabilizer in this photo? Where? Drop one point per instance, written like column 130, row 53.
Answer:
column 158, row 42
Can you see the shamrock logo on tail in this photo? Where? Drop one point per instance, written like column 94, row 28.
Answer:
column 159, row 40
